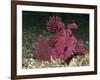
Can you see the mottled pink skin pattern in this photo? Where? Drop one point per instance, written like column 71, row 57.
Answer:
column 43, row 50
column 54, row 24
column 62, row 45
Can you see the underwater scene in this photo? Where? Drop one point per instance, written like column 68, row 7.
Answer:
column 53, row 39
